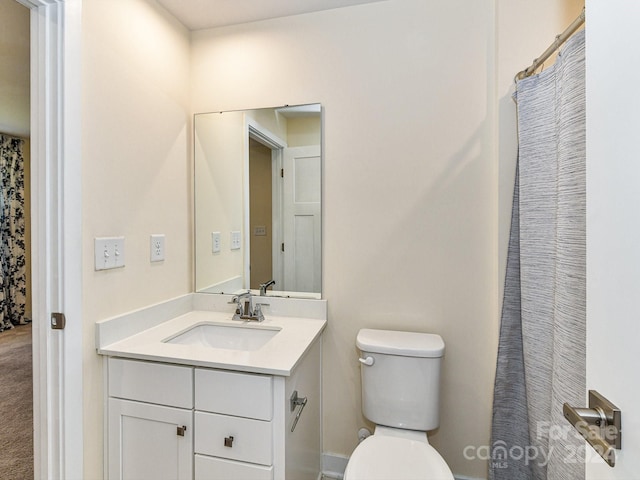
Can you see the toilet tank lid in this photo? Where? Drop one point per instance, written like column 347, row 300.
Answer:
column 391, row 342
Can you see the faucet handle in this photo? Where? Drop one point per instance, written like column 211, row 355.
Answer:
column 257, row 311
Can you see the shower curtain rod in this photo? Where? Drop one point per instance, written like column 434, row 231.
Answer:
column 560, row 39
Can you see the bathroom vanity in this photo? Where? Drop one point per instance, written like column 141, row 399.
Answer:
column 201, row 396
column 193, row 388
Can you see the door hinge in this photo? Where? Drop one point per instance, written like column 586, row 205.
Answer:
column 282, row 173
column 58, row 321
column 282, row 247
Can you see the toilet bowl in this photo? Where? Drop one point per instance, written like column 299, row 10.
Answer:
column 400, row 390
column 389, row 455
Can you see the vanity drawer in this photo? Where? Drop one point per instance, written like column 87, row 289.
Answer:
column 251, row 438
column 211, row 468
column 159, row 383
column 231, row 393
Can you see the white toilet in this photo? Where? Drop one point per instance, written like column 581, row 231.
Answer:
column 400, row 394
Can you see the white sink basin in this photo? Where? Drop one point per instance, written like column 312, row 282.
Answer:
column 230, row 337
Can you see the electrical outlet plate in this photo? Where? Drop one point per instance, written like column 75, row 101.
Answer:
column 109, row 252
column 215, row 242
column 157, row 247
column 235, row 240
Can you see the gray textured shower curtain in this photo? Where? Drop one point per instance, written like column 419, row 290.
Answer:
column 541, row 353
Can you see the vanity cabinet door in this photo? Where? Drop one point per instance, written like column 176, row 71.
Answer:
column 148, row 441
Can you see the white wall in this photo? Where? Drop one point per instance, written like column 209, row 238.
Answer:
column 136, row 172
column 409, row 237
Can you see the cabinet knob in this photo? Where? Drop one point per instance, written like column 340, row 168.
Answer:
column 180, row 430
column 228, row 441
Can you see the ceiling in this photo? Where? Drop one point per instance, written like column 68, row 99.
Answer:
column 199, row 14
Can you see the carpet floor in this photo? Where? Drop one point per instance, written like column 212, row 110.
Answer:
column 16, row 404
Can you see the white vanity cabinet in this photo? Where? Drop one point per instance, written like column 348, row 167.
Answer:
column 150, row 421
column 235, row 425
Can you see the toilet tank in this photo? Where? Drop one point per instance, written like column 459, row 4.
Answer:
column 401, row 388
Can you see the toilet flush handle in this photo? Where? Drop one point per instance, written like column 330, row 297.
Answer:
column 368, row 361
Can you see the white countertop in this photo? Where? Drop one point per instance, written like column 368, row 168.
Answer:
column 279, row 356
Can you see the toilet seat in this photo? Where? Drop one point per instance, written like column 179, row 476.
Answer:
column 382, row 457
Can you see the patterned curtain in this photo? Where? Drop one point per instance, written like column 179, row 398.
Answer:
column 12, row 240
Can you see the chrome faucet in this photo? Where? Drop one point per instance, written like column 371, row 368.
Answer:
column 264, row 286
column 245, row 309
column 243, row 300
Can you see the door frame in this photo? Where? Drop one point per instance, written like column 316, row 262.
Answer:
column 56, row 236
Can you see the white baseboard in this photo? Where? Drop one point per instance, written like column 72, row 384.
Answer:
column 334, row 465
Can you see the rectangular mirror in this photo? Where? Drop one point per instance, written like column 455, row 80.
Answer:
column 258, row 200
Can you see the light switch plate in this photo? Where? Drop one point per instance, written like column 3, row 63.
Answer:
column 260, row 231
column 109, row 252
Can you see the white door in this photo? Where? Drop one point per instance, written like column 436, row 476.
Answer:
column 613, row 223
column 145, row 441
column 301, row 219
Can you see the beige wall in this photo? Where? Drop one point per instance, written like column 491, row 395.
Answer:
column 136, row 172
column 304, row 131
column 14, row 69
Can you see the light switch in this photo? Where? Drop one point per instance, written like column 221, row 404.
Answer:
column 259, row 231
column 109, row 252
